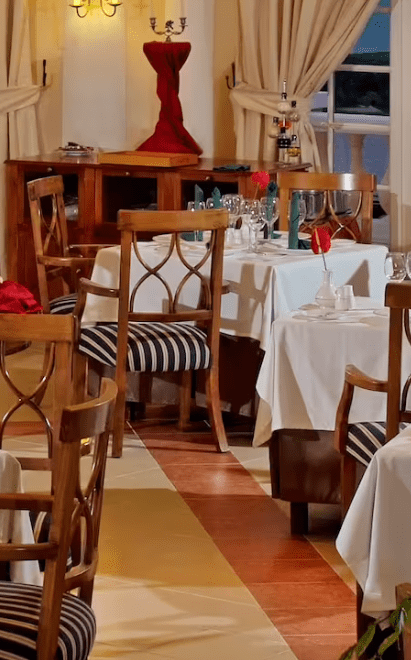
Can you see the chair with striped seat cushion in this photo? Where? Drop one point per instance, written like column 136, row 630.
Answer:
column 152, row 347
column 44, row 623
column 20, row 606
column 357, row 443
column 365, row 438
column 64, row 304
column 59, row 265
column 176, row 335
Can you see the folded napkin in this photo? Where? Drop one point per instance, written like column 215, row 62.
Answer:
column 295, row 243
column 198, row 195
column 216, row 195
column 16, row 299
column 232, row 167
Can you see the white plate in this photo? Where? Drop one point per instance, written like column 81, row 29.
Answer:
column 340, row 317
column 342, row 242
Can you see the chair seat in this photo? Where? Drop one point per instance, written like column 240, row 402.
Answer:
column 365, row 438
column 19, row 615
column 152, row 347
column 64, row 304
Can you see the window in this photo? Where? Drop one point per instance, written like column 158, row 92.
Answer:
column 351, row 114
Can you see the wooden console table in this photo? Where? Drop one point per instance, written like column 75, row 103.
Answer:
column 102, row 189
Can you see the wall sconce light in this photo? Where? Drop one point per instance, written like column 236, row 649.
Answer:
column 82, row 7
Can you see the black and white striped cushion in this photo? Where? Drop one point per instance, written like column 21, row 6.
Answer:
column 19, row 616
column 365, row 438
column 64, row 304
column 152, row 347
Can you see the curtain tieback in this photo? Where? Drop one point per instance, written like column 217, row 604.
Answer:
column 16, row 98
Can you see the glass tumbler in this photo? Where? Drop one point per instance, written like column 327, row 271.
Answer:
column 394, row 266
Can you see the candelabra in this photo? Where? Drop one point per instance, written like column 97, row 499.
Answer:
column 169, row 28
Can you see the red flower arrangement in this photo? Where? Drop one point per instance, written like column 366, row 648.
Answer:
column 261, row 180
column 321, row 242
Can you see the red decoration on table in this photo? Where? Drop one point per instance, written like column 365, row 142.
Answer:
column 320, row 241
column 16, row 299
column 260, row 179
column 169, row 136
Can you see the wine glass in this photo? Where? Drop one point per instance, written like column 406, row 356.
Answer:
column 395, row 266
column 232, row 203
column 408, row 264
column 302, row 210
column 256, row 222
column 197, row 206
column 270, row 211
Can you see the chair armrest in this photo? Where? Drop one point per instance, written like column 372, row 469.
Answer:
column 86, row 286
column 65, row 262
column 354, row 377
column 87, row 247
column 226, row 287
column 26, row 501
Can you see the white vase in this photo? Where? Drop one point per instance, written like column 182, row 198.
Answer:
column 326, row 296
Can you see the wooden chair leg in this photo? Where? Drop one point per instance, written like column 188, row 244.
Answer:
column 185, row 399
column 214, row 410
column 80, row 372
column 118, row 425
column 86, row 592
column 347, row 482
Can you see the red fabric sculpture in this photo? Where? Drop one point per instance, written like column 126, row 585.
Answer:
column 170, row 136
column 16, row 299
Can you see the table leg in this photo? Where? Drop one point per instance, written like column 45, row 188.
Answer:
column 299, row 517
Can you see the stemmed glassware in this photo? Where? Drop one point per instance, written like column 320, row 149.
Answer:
column 255, row 223
column 396, row 266
column 232, row 203
column 270, row 212
column 197, row 206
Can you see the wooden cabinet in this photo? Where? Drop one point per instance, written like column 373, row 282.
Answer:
column 101, row 190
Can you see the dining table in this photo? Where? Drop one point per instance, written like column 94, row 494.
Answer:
column 299, row 385
column 302, row 373
column 15, row 525
column 375, row 537
column 262, row 285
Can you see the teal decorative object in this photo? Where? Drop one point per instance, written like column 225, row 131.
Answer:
column 216, row 195
column 293, row 228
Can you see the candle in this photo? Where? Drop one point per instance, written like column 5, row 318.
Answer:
column 152, row 14
column 183, row 12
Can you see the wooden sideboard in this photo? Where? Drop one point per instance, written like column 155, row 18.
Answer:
column 102, row 189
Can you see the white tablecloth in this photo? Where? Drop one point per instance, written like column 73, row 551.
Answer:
column 15, row 525
column 263, row 286
column 302, row 374
column 375, row 538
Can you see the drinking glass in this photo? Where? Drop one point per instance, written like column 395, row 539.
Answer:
column 408, row 264
column 270, row 214
column 232, row 203
column 197, row 206
column 256, row 222
column 394, row 266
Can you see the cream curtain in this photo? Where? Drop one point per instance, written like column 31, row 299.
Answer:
column 302, row 41
column 18, row 96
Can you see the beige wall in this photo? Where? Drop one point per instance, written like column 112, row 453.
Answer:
column 47, row 37
column 142, row 105
column 225, row 47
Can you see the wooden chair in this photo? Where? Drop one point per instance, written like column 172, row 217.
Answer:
column 58, row 333
column 364, row 184
column 59, row 265
column 46, row 618
column 357, row 443
column 176, row 339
